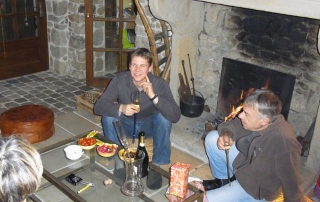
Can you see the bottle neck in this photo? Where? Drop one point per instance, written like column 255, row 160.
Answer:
column 141, row 142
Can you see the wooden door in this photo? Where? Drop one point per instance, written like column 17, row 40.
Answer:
column 107, row 47
column 23, row 37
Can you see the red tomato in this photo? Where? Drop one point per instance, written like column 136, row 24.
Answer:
column 87, row 141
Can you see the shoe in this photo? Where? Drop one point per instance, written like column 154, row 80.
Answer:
column 216, row 183
column 154, row 180
column 120, row 174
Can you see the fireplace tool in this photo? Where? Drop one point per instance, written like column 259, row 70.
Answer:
column 192, row 79
column 193, row 106
column 187, row 82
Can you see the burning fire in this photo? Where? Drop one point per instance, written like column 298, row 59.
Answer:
column 237, row 109
column 234, row 113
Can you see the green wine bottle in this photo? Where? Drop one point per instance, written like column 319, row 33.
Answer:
column 142, row 147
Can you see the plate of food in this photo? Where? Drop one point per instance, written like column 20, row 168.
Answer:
column 123, row 154
column 106, row 149
column 87, row 143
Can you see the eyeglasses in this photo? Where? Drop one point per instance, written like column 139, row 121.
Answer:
column 132, row 65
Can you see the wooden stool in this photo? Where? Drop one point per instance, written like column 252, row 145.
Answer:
column 33, row 122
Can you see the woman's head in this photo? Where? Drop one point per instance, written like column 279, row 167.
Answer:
column 20, row 169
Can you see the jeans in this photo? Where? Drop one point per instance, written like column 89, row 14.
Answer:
column 155, row 126
column 217, row 160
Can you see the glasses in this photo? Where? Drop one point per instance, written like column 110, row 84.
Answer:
column 132, row 65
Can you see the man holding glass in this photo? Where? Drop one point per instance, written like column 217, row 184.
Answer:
column 154, row 115
column 264, row 154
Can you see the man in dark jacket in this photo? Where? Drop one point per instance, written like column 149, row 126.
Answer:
column 155, row 115
column 265, row 157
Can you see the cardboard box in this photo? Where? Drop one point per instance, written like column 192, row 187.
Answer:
column 179, row 173
column 193, row 181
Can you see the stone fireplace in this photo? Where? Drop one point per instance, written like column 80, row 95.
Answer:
column 281, row 36
column 238, row 79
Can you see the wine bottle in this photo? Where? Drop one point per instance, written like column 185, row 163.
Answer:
column 142, row 147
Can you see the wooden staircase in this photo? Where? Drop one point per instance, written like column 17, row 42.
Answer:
column 159, row 44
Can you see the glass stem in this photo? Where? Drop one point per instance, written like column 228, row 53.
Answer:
column 134, row 127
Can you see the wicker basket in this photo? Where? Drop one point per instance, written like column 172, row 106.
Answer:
column 86, row 100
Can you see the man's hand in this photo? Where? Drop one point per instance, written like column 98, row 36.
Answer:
column 225, row 140
column 129, row 109
column 147, row 87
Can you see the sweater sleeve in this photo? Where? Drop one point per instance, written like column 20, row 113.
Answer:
column 288, row 171
column 106, row 105
column 234, row 126
column 166, row 103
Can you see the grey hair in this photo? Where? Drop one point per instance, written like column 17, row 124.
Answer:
column 20, row 169
column 268, row 104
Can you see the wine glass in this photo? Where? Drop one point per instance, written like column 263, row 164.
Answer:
column 136, row 98
column 121, row 134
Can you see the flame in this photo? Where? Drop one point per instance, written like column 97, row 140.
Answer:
column 234, row 113
column 236, row 110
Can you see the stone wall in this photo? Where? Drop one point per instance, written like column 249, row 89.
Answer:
column 66, row 37
column 283, row 43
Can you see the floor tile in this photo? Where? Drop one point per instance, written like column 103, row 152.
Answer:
column 75, row 124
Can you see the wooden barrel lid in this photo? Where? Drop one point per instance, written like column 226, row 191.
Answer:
column 34, row 122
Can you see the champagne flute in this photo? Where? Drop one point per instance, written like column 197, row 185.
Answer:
column 136, row 102
column 121, row 134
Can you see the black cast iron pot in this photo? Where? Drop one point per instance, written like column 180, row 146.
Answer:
column 193, row 106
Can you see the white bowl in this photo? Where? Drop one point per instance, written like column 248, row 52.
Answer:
column 73, row 152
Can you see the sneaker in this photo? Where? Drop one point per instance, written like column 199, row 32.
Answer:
column 120, row 174
column 154, row 180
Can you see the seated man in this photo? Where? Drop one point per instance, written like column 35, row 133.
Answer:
column 263, row 152
column 157, row 111
column 20, row 169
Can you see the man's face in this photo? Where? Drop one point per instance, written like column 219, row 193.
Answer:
column 139, row 68
column 251, row 120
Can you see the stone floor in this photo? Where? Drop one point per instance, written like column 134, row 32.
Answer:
column 58, row 93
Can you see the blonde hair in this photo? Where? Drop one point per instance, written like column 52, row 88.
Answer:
column 20, row 169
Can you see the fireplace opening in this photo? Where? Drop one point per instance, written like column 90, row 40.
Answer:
column 238, row 79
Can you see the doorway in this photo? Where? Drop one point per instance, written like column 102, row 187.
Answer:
column 109, row 39
column 23, row 37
